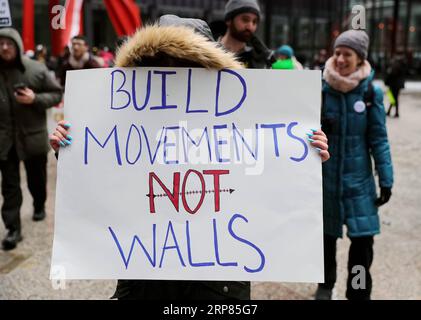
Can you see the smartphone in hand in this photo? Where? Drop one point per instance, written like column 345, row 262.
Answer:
column 18, row 86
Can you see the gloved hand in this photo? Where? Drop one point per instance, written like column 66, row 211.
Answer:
column 385, row 194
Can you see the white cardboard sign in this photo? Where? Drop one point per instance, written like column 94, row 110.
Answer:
column 193, row 174
column 5, row 17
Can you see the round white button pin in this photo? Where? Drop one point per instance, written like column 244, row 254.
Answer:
column 359, row 106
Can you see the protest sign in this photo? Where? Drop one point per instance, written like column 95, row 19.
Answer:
column 5, row 17
column 181, row 173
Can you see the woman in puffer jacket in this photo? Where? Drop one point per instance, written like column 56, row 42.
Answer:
column 353, row 118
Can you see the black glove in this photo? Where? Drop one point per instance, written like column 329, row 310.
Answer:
column 385, row 194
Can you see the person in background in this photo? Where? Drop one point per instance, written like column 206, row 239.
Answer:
column 242, row 19
column 97, row 58
column 107, row 56
column 353, row 118
column 27, row 90
column 395, row 80
column 286, row 59
column 42, row 56
column 320, row 60
column 78, row 58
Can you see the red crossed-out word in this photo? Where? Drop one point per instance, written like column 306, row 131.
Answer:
column 175, row 194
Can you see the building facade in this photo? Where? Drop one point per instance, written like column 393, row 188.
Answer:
column 394, row 26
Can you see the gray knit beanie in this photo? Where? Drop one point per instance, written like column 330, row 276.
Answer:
column 355, row 39
column 199, row 26
column 235, row 7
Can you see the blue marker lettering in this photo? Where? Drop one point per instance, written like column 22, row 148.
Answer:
column 275, row 136
column 119, row 90
column 167, row 145
column 219, row 142
column 152, row 160
column 194, row 264
column 117, row 147
column 148, row 91
column 135, row 239
column 129, row 135
column 185, row 133
column 189, row 96
column 164, row 90
column 262, row 256
column 256, row 148
column 289, row 131
column 175, row 246
column 218, row 91
column 215, row 242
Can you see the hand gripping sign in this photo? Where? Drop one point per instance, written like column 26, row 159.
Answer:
column 181, row 173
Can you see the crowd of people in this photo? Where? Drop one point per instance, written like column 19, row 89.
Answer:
column 353, row 131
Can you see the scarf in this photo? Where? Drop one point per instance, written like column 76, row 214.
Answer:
column 79, row 64
column 347, row 83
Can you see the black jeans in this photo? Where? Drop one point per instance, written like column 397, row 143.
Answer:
column 36, row 172
column 360, row 258
column 10, row 189
column 395, row 92
column 181, row 290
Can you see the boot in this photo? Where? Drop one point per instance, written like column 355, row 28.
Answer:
column 11, row 240
column 323, row 293
column 39, row 215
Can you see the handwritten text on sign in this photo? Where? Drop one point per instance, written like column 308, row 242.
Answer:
column 190, row 174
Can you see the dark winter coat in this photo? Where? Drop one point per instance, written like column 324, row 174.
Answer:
column 25, row 126
column 256, row 55
column 91, row 63
column 355, row 137
column 176, row 47
column 395, row 75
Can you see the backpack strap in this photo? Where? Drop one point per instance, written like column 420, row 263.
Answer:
column 368, row 99
column 369, row 95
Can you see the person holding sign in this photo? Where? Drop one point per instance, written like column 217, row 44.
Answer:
column 353, row 118
column 177, row 42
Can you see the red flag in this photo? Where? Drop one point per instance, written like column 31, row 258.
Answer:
column 72, row 20
column 54, row 31
column 28, row 25
column 124, row 16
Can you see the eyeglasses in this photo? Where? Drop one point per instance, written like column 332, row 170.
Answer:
column 6, row 42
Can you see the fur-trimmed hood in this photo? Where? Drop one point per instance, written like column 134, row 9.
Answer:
column 178, row 42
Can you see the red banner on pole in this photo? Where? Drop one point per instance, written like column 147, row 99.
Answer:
column 28, row 25
column 65, row 23
column 124, row 16
column 55, row 31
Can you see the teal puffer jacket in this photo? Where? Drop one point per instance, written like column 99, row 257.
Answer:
column 356, row 134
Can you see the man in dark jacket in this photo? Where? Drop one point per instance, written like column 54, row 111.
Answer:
column 26, row 91
column 79, row 58
column 242, row 19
